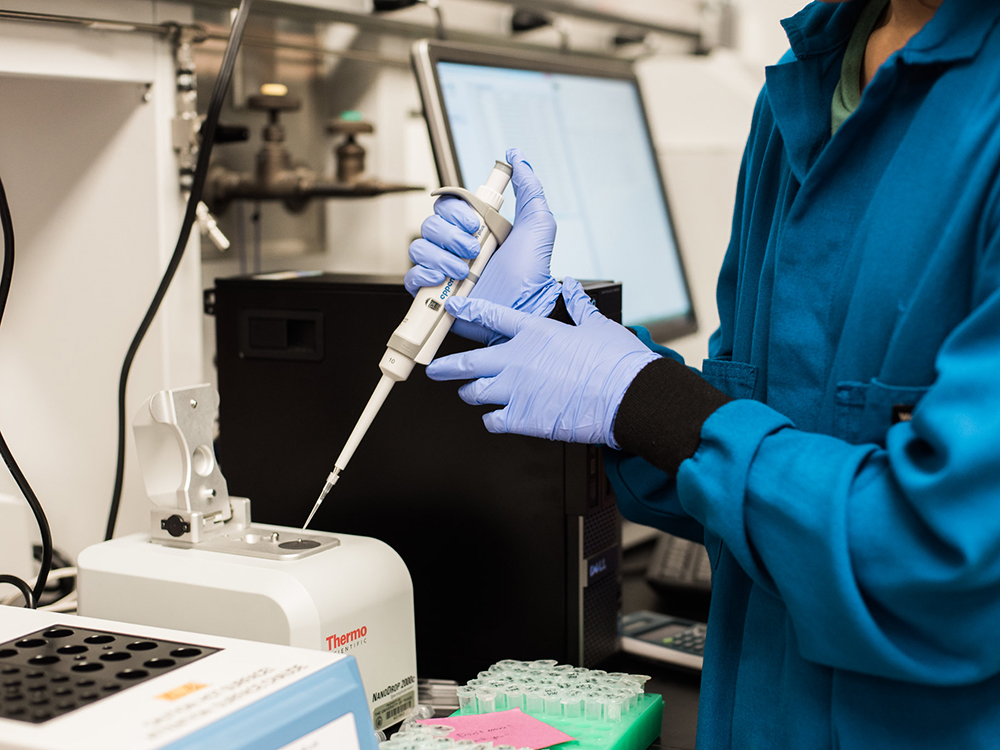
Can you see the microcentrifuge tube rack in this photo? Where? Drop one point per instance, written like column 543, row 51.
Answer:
column 600, row 710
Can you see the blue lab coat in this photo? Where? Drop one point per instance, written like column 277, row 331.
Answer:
column 849, row 497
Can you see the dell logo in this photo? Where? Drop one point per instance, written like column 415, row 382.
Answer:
column 598, row 567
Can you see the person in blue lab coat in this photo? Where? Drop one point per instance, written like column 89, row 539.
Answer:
column 839, row 452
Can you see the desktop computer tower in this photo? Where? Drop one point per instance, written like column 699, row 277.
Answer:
column 513, row 543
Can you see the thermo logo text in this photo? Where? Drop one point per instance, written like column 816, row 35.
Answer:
column 339, row 641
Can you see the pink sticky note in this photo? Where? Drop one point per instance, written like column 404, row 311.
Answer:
column 512, row 727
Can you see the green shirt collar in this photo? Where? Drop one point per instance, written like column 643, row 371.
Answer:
column 847, row 97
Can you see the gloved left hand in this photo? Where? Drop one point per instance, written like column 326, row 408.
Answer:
column 554, row 380
column 518, row 276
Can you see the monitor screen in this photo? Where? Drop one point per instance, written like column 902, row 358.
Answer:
column 587, row 139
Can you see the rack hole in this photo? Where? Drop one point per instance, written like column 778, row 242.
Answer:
column 132, row 674
column 116, row 656
column 87, row 666
column 58, row 633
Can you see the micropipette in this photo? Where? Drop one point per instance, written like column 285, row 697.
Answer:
column 418, row 337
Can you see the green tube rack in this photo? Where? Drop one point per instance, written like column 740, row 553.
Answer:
column 636, row 730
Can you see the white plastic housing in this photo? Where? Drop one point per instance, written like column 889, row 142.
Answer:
column 426, row 323
column 356, row 598
column 225, row 691
column 441, row 328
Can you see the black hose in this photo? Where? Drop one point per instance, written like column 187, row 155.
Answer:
column 190, row 215
column 32, row 597
column 61, row 587
column 23, row 587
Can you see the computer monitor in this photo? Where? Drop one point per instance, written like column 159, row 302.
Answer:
column 582, row 126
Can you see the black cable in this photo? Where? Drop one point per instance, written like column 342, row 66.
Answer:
column 61, row 587
column 22, row 586
column 190, row 215
column 59, row 560
column 32, row 596
column 255, row 223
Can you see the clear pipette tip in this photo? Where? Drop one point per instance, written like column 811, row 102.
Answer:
column 330, row 481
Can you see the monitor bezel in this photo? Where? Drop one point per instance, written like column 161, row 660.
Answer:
column 427, row 53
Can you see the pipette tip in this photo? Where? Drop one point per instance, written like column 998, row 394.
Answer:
column 330, row 481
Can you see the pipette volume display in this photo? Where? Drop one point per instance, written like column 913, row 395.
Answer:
column 418, row 336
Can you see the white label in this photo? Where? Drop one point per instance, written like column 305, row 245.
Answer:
column 341, row 734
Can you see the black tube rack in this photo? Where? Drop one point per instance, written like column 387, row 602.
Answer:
column 61, row 668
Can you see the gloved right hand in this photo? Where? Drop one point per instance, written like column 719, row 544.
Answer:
column 553, row 380
column 517, row 276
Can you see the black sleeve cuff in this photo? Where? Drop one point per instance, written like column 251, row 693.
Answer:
column 560, row 313
column 661, row 416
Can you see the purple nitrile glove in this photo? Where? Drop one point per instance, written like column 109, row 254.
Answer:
column 554, row 380
column 517, row 276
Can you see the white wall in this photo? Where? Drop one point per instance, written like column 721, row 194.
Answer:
column 91, row 177
column 760, row 37
column 700, row 110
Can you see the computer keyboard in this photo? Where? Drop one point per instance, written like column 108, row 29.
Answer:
column 663, row 638
column 678, row 563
